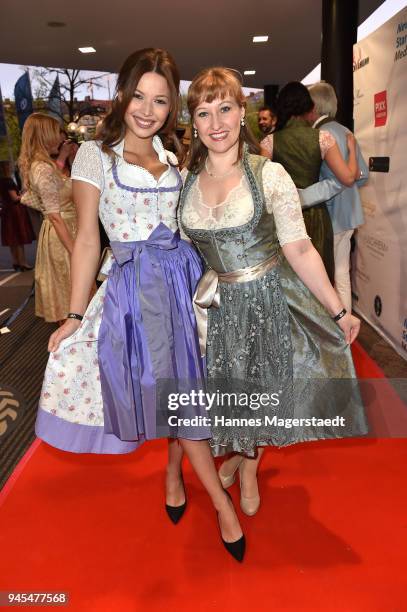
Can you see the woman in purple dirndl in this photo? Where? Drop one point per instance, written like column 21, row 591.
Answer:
column 114, row 363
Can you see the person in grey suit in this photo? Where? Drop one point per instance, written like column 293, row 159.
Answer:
column 344, row 205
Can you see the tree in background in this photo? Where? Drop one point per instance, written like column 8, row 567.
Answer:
column 254, row 102
column 14, row 135
column 183, row 115
column 70, row 81
column 42, row 81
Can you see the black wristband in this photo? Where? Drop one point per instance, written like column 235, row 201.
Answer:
column 74, row 315
column 340, row 314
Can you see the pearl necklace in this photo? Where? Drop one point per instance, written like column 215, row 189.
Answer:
column 218, row 176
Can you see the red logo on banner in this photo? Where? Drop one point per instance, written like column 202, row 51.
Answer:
column 380, row 108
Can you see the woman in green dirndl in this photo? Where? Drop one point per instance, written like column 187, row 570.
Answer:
column 270, row 321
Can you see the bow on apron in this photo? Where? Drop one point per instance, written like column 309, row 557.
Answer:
column 127, row 382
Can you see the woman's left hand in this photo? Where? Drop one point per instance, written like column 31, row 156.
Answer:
column 350, row 326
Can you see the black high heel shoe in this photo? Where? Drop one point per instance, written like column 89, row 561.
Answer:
column 176, row 513
column 238, row 547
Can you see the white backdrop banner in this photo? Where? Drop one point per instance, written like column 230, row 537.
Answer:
column 380, row 113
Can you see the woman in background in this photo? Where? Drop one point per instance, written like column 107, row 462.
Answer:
column 41, row 175
column 16, row 230
column 300, row 149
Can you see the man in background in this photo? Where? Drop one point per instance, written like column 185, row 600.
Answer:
column 266, row 121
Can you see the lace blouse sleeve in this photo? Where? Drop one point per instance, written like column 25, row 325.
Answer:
column 88, row 165
column 47, row 183
column 267, row 145
column 326, row 141
column 283, row 202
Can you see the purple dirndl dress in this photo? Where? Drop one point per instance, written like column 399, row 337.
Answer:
column 106, row 388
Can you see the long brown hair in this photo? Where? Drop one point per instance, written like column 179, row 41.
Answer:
column 209, row 85
column 41, row 132
column 112, row 128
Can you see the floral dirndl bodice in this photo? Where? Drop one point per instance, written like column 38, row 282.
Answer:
column 151, row 201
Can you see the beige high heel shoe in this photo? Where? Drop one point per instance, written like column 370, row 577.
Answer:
column 228, row 480
column 249, row 505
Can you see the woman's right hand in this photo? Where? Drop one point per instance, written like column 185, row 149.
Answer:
column 67, row 329
column 350, row 326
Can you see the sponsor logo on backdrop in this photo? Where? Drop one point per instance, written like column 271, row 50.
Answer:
column 375, row 245
column 380, row 108
column 378, row 305
column 401, row 41
column 357, row 95
column 369, row 208
column 379, row 164
column 404, row 335
column 362, row 275
column 358, row 60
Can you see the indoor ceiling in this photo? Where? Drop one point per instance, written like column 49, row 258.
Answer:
column 197, row 33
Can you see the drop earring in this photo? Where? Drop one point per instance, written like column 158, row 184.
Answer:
column 195, row 133
column 242, row 122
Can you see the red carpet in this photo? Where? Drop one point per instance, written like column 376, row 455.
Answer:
column 331, row 534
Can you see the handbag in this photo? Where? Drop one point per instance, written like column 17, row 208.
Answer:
column 105, row 264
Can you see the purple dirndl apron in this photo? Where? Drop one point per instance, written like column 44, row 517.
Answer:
column 148, row 343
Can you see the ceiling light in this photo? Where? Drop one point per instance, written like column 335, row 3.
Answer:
column 87, row 49
column 257, row 39
column 248, row 72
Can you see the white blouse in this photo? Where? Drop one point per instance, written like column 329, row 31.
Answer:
column 132, row 202
column 326, row 142
column 281, row 198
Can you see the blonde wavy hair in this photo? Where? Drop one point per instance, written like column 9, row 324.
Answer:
column 40, row 133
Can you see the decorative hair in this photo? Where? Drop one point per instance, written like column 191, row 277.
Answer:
column 293, row 100
column 112, row 128
column 324, row 97
column 41, row 133
column 211, row 84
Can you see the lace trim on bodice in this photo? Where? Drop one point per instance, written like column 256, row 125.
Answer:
column 236, row 211
column 222, row 231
